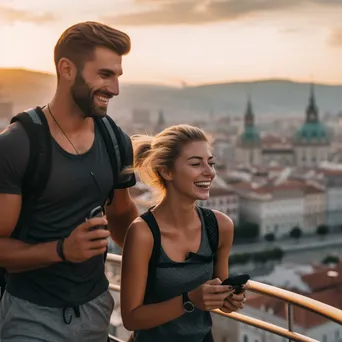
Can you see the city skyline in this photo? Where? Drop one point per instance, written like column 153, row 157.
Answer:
column 188, row 42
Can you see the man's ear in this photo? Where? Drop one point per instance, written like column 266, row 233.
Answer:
column 67, row 69
column 165, row 173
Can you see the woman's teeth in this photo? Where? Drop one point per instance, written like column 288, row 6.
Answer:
column 203, row 184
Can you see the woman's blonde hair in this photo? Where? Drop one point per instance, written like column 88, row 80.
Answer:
column 153, row 153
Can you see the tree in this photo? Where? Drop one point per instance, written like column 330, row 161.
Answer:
column 322, row 230
column 278, row 254
column 296, row 233
column 246, row 231
column 241, row 258
column 331, row 259
column 269, row 237
column 275, row 254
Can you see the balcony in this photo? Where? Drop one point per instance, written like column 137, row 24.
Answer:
column 289, row 298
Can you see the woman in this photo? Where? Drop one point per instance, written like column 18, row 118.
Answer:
column 173, row 304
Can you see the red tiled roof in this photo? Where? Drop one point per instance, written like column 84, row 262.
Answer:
column 321, row 280
column 271, row 187
column 330, row 172
column 310, row 189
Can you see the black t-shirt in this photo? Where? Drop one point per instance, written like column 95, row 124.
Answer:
column 70, row 194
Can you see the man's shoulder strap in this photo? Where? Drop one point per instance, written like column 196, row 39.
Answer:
column 110, row 133
column 116, row 144
column 211, row 225
column 39, row 164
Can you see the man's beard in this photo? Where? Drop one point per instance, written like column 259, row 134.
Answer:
column 83, row 96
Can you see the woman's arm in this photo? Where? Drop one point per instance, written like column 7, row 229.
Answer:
column 136, row 255
column 226, row 235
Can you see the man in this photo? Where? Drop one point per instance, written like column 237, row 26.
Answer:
column 57, row 289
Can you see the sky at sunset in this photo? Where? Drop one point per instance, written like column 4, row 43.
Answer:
column 189, row 41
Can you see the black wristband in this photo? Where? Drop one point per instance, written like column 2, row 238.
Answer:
column 60, row 249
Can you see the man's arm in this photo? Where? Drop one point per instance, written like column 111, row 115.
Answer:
column 15, row 255
column 120, row 214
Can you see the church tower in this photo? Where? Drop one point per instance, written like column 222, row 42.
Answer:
column 311, row 141
column 249, row 145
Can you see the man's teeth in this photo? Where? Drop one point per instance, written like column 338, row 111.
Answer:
column 203, row 184
column 103, row 99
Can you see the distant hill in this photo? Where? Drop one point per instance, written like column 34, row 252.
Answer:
column 26, row 88
column 270, row 97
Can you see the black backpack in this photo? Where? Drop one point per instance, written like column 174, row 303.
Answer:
column 39, row 165
column 207, row 217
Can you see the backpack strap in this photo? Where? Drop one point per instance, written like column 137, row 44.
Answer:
column 211, row 225
column 39, row 163
column 114, row 144
column 2, row 282
column 149, row 218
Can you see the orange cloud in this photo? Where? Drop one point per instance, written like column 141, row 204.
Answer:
column 336, row 37
column 167, row 12
column 10, row 15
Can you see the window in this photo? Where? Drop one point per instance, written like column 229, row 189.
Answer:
column 245, row 338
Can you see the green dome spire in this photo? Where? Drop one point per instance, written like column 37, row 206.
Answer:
column 251, row 135
column 312, row 131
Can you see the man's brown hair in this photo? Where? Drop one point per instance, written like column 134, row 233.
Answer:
column 79, row 41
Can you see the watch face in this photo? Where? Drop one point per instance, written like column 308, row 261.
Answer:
column 188, row 307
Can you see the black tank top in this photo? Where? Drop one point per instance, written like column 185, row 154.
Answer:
column 174, row 278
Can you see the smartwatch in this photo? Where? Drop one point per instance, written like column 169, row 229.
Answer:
column 187, row 303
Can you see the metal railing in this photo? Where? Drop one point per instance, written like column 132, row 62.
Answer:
column 288, row 297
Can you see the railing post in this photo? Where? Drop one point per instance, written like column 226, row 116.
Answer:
column 289, row 318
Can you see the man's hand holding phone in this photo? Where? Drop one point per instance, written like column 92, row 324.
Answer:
column 88, row 239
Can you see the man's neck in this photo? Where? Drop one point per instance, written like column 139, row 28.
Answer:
column 67, row 113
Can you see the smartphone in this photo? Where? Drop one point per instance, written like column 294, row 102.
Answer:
column 96, row 212
column 236, row 282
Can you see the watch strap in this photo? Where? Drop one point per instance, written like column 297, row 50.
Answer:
column 60, row 249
